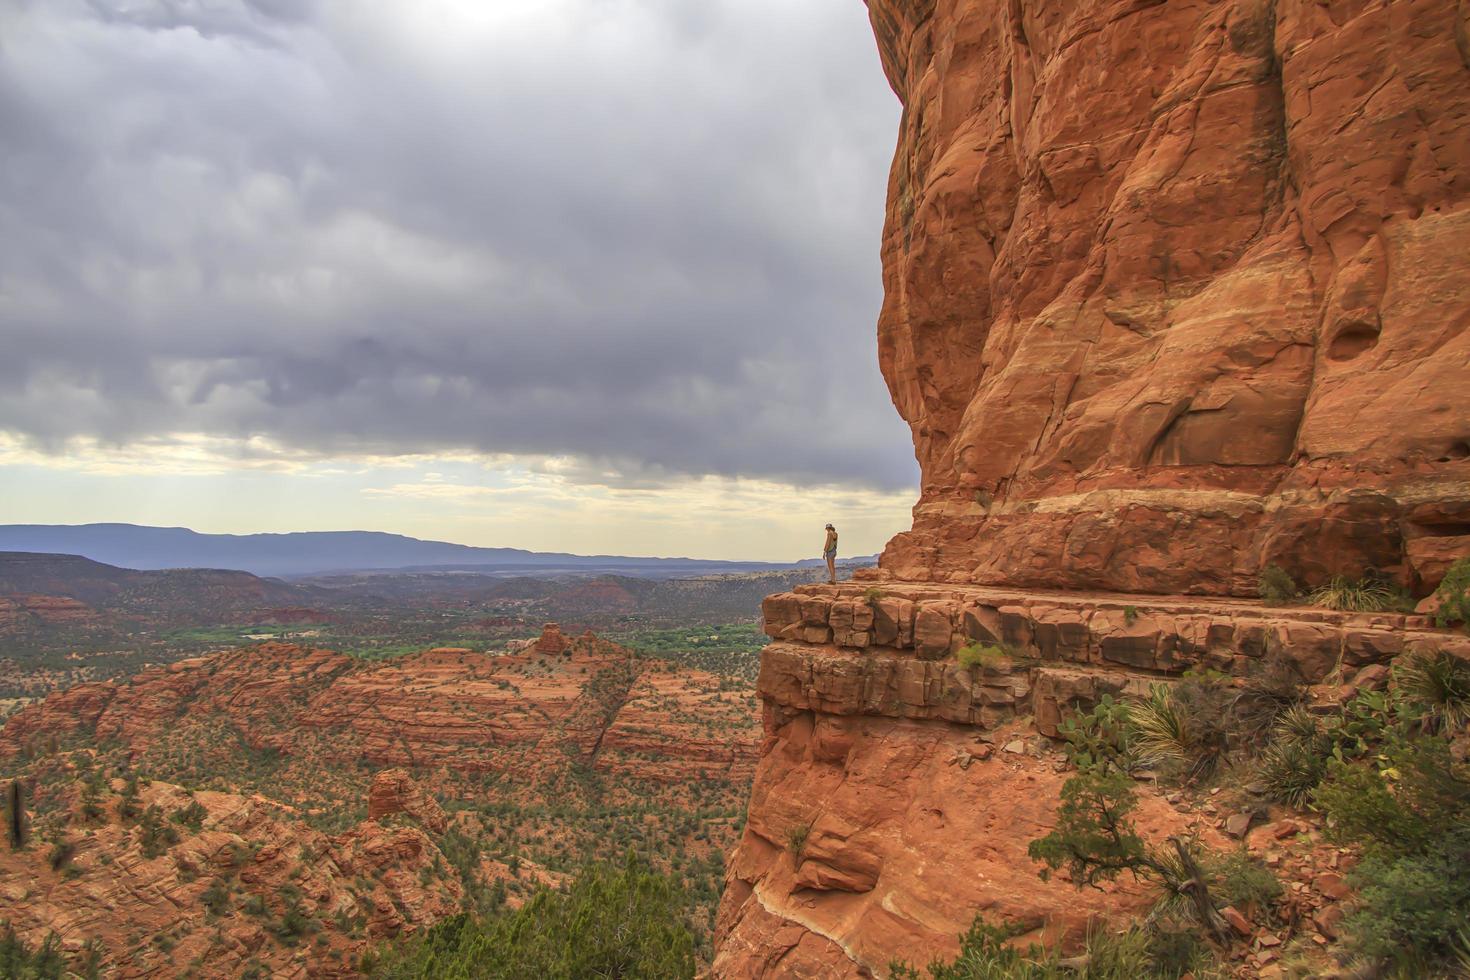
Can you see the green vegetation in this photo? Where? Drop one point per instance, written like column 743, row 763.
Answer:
column 1094, row 838
column 987, row 953
column 1379, row 768
column 1410, row 811
column 1440, row 683
column 731, row 650
column 1192, row 728
column 191, row 816
column 1367, row 594
column 613, row 921
column 1454, row 595
column 154, row 835
column 796, row 836
column 18, row 960
column 1276, row 586
column 47, row 961
column 984, row 657
column 1290, row 770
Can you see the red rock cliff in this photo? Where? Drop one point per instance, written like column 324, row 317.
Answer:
column 1177, row 290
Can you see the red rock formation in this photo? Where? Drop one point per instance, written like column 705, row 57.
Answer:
column 246, row 850
column 907, row 834
column 522, row 714
column 394, row 791
column 67, row 712
column 44, row 610
column 1177, row 290
column 552, row 640
column 897, row 789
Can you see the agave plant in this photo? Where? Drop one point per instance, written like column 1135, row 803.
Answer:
column 1361, row 595
column 1166, row 736
column 1298, row 725
column 1439, row 683
column 1291, row 770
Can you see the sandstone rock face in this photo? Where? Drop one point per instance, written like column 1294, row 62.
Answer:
column 394, row 791
column 907, row 836
column 1167, row 636
column 1174, row 291
column 897, row 788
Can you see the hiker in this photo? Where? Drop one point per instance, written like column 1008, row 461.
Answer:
column 829, row 552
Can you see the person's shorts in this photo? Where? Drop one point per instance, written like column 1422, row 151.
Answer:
column 830, row 554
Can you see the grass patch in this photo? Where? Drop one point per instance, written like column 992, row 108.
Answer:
column 981, row 656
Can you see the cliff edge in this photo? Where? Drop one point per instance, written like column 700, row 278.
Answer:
column 1173, row 292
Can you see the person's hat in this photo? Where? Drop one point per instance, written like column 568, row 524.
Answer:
column 830, row 527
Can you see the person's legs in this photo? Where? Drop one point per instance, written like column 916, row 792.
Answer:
column 831, row 567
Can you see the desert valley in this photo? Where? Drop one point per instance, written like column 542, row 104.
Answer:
column 1169, row 677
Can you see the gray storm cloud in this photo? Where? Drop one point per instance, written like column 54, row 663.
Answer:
column 633, row 230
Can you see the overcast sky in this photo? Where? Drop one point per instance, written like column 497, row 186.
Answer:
column 583, row 275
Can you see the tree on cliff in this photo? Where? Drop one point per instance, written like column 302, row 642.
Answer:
column 1094, row 838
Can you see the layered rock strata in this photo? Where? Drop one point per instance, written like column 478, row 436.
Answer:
column 1174, row 291
column 898, row 788
column 524, row 715
column 210, row 897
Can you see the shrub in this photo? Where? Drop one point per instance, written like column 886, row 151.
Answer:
column 18, row 960
column 191, row 816
column 154, row 835
column 1130, row 615
column 1095, row 841
column 1296, row 760
column 1102, row 737
column 1276, row 587
column 1412, row 818
column 1187, row 725
column 872, row 594
column 1290, row 773
column 796, row 836
column 61, row 854
column 1439, row 684
column 988, row 953
column 1272, row 686
column 127, row 804
column 1241, row 880
column 1368, row 594
column 1454, row 595
column 612, row 921
column 976, row 655
column 216, row 898
column 294, row 922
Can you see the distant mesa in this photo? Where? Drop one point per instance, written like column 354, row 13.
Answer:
column 297, row 554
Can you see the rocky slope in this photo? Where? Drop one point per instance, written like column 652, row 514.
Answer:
column 520, row 714
column 561, row 749
column 238, row 884
column 897, row 790
column 1177, row 290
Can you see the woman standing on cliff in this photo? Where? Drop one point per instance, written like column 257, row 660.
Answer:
column 829, row 552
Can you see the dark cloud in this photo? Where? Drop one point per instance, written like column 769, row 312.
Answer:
column 638, row 231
